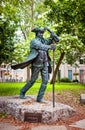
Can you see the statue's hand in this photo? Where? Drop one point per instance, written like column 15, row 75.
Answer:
column 53, row 47
column 45, row 28
column 55, row 37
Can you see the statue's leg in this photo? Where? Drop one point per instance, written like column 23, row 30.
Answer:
column 34, row 76
column 44, row 74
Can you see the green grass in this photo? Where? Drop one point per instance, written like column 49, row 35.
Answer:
column 9, row 89
column 3, row 114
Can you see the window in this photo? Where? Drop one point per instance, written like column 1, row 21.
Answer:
column 81, row 61
column 70, row 74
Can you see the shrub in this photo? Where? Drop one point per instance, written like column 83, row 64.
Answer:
column 75, row 80
column 65, row 79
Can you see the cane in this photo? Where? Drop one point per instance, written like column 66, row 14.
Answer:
column 53, row 81
column 56, row 39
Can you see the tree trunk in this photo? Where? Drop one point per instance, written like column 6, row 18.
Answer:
column 28, row 73
column 57, row 67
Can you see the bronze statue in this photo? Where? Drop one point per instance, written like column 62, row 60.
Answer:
column 39, row 60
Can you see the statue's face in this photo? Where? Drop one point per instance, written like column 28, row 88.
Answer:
column 40, row 34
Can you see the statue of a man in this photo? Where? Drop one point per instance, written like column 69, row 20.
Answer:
column 40, row 62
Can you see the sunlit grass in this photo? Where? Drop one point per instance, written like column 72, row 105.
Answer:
column 9, row 89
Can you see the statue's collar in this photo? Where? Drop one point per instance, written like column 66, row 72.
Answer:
column 40, row 39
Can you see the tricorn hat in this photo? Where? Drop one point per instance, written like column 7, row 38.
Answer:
column 36, row 30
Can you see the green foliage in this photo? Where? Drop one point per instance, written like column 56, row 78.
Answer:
column 17, row 15
column 72, row 46
column 21, row 51
column 67, row 17
column 8, row 26
column 75, row 80
column 67, row 14
column 3, row 114
column 6, row 41
column 65, row 79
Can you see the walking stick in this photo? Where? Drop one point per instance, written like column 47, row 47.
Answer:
column 56, row 39
column 53, row 81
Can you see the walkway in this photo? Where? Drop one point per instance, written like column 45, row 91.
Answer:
column 79, row 124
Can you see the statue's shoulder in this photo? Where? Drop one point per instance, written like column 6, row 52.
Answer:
column 35, row 40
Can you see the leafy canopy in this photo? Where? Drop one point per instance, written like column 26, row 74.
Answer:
column 67, row 17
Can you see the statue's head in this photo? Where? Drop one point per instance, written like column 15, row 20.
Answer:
column 39, row 31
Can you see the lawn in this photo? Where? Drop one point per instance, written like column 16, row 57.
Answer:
column 9, row 89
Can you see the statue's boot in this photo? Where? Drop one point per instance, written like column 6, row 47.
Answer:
column 24, row 90
column 41, row 93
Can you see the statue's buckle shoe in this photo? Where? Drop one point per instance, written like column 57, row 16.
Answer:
column 22, row 95
column 42, row 101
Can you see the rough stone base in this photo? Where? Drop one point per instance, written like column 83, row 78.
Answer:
column 30, row 110
column 82, row 98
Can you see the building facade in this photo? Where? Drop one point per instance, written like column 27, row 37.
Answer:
column 9, row 75
column 74, row 73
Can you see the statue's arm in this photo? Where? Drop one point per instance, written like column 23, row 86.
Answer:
column 37, row 45
column 49, row 41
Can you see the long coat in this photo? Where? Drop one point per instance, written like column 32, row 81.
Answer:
column 35, row 46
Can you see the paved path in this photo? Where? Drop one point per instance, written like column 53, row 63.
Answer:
column 49, row 128
column 79, row 124
column 8, row 126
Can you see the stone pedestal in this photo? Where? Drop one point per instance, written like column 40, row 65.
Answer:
column 82, row 98
column 30, row 110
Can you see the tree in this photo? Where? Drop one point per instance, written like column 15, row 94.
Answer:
column 8, row 26
column 17, row 16
column 68, row 18
column 29, row 14
column 69, row 47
